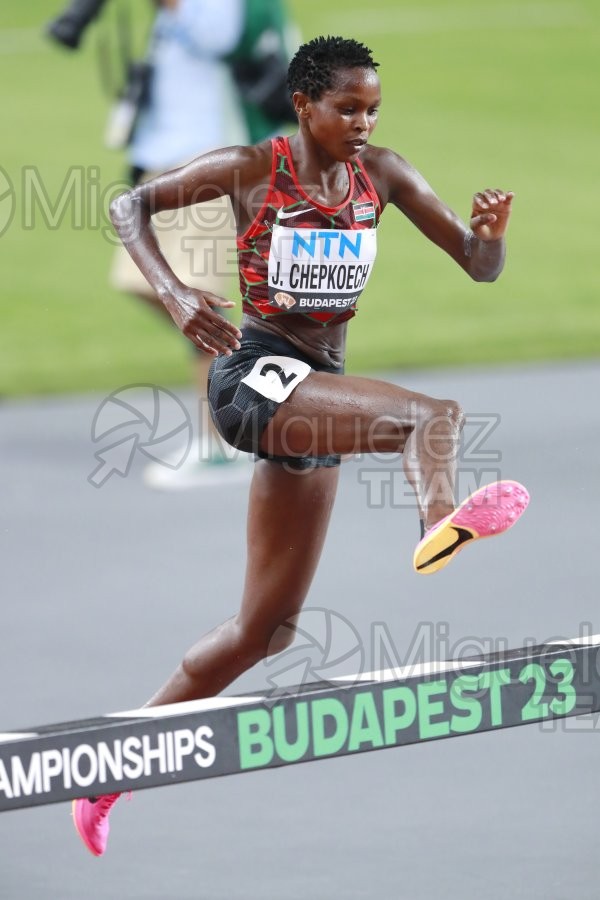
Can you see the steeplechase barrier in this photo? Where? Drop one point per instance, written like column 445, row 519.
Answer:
column 230, row 735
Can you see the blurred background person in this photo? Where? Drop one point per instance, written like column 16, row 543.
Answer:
column 214, row 75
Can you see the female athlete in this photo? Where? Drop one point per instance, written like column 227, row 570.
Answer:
column 307, row 211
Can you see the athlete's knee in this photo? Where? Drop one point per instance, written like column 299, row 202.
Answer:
column 443, row 413
column 455, row 413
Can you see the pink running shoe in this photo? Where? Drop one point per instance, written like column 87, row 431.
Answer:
column 489, row 511
column 91, row 821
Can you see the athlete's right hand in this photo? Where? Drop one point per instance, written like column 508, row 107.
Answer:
column 194, row 313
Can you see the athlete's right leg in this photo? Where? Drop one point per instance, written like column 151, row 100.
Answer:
column 333, row 414
column 344, row 414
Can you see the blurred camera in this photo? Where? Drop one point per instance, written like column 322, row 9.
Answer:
column 68, row 28
column 124, row 114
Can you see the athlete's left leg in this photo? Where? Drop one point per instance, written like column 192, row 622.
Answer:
column 288, row 516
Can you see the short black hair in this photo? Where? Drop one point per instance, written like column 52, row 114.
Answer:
column 313, row 68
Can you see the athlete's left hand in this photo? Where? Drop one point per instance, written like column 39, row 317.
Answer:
column 490, row 214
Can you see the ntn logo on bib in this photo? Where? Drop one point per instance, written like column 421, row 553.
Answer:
column 319, row 269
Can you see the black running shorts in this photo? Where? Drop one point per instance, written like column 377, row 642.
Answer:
column 240, row 413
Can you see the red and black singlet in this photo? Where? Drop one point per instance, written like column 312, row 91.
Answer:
column 301, row 257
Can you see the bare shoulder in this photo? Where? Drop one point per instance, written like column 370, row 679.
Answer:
column 252, row 158
column 232, row 166
column 381, row 157
column 229, row 171
column 392, row 175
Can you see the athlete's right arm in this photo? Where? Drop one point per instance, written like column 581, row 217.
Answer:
column 232, row 172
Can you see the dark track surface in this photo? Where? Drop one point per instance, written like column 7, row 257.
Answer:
column 103, row 589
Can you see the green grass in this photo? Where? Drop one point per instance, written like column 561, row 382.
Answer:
column 475, row 94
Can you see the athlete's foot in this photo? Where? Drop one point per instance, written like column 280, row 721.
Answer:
column 91, row 821
column 488, row 512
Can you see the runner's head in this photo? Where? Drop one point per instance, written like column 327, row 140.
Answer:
column 336, row 93
column 316, row 65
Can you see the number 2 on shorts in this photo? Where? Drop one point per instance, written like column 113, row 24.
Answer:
column 275, row 377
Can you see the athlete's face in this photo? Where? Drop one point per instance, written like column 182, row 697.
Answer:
column 343, row 118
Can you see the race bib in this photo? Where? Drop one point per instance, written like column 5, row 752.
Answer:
column 313, row 269
column 275, row 377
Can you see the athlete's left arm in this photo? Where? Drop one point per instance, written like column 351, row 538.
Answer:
column 480, row 248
